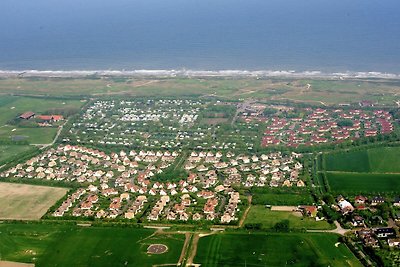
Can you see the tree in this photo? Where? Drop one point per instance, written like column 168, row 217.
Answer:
column 282, row 226
column 345, row 123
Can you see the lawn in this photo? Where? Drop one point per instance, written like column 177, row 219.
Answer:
column 363, row 182
column 273, row 250
column 85, row 246
column 8, row 152
column 27, row 202
column 268, row 219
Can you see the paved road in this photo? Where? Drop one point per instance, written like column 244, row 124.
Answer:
column 339, row 230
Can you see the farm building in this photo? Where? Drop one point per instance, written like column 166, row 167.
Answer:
column 27, row 115
column 53, row 118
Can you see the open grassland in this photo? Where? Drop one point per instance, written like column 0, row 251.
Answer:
column 376, row 160
column 27, row 202
column 66, row 245
column 8, row 152
column 343, row 91
column 321, row 91
column 268, row 219
column 273, row 250
column 363, row 182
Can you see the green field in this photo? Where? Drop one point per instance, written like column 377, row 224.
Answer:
column 66, row 245
column 8, row 152
column 268, row 219
column 363, row 182
column 380, row 160
column 369, row 170
column 273, row 250
column 355, row 161
column 281, row 199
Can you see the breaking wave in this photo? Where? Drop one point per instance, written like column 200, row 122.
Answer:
column 198, row 73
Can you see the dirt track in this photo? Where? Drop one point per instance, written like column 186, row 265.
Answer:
column 283, row 208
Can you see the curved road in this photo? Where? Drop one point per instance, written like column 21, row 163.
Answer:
column 339, row 230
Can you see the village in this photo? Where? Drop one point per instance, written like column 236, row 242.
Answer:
column 122, row 184
column 293, row 127
column 149, row 123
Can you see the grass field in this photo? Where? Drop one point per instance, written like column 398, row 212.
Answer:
column 363, row 182
column 10, row 151
column 268, row 219
column 380, row 160
column 27, row 202
column 273, row 250
column 66, row 245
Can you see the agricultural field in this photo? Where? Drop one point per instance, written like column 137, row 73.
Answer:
column 273, row 250
column 268, row 219
column 85, row 246
column 371, row 170
column 350, row 182
column 27, row 202
column 375, row 160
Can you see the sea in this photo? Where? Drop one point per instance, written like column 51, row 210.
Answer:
column 201, row 35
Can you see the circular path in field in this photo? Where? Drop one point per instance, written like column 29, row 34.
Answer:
column 157, row 249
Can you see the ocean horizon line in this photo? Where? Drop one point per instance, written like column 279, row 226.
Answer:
column 198, row 73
